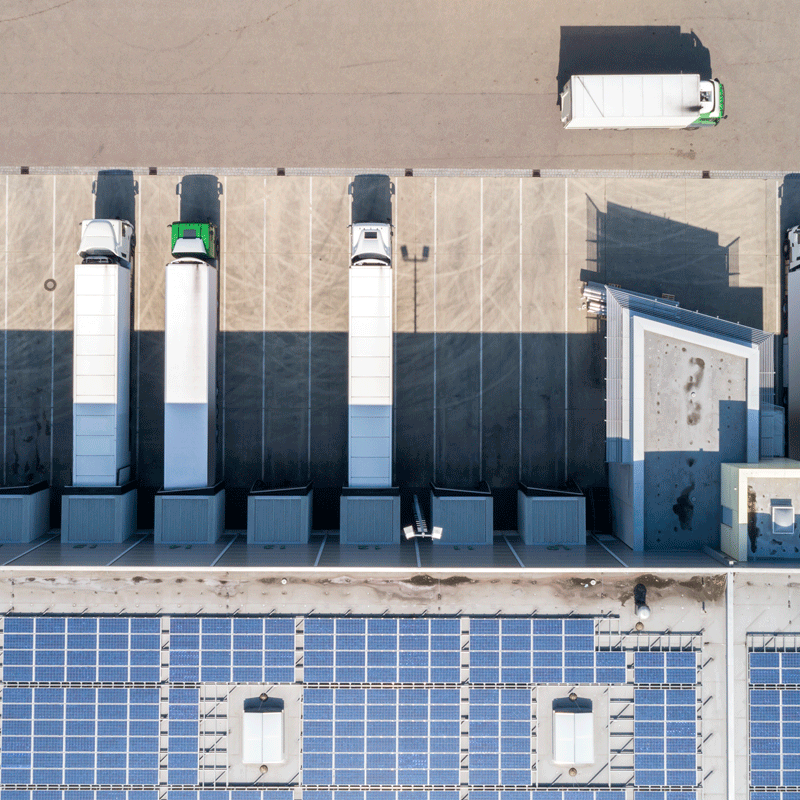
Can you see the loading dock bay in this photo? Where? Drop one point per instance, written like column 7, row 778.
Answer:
column 498, row 373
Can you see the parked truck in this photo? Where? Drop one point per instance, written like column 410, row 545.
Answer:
column 641, row 101
column 190, row 358
column 370, row 334
column 101, row 362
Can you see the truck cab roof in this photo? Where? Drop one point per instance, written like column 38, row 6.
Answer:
column 107, row 238
column 371, row 244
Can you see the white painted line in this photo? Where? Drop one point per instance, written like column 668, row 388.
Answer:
column 138, row 329
column 566, row 330
column 53, row 334
column 321, row 548
column 5, row 343
column 513, row 551
column 615, row 557
column 224, row 309
column 729, row 686
column 434, row 325
column 30, row 550
column 310, row 276
column 416, row 547
column 264, row 338
column 480, row 357
column 126, row 550
column 519, row 476
column 227, row 547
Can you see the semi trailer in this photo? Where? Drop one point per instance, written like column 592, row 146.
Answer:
column 641, row 101
column 101, row 362
column 190, row 360
column 370, row 354
column 100, row 505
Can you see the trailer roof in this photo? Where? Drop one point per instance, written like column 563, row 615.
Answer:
column 635, row 97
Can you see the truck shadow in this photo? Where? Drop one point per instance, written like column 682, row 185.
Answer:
column 633, row 49
column 115, row 193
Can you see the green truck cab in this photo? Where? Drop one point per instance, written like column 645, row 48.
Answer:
column 195, row 240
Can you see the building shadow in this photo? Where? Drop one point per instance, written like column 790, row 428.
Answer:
column 283, row 428
column 630, row 50
column 657, row 256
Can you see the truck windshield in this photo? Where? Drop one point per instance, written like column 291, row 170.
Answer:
column 362, row 257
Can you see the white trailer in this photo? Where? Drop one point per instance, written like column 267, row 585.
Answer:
column 370, row 358
column 793, row 367
column 190, row 370
column 100, row 505
column 641, row 101
column 101, row 361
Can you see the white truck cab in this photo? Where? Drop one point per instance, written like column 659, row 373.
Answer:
column 793, row 246
column 371, row 244
column 106, row 240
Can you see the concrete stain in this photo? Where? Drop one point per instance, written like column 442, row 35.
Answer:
column 693, row 417
column 684, row 508
column 752, row 524
column 701, row 589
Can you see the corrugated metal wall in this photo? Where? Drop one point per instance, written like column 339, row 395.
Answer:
column 552, row 520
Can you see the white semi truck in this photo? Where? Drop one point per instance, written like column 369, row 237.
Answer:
column 101, row 363
column 370, row 355
column 641, row 101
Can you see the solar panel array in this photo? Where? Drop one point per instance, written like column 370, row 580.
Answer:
column 500, row 737
column 80, row 736
column 774, row 668
column 339, row 794
column 382, row 650
column 82, row 649
column 183, row 716
column 775, row 737
column 381, row 736
column 680, row 795
column 773, row 795
column 83, row 794
column 549, row 794
column 665, row 737
column 232, row 649
column 349, row 794
column 540, row 651
column 665, row 668
column 225, row 794
column 391, row 703
column 145, row 794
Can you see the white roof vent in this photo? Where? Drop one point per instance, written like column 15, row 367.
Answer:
column 262, row 733
column 783, row 520
column 573, row 732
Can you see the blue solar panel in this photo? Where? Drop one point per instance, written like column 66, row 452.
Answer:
column 774, row 736
column 82, row 649
column 80, row 736
column 763, row 663
column 182, row 749
column 665, row 730
column 500, row 737
column 382, row 650
column 239, row 650
column 382, row 736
